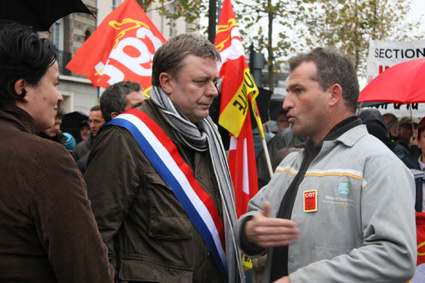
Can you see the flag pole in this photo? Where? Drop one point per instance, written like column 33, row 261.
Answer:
column 413, row 127
column 263, row 140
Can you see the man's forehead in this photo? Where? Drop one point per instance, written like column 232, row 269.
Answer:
column 306, row 71
column 95, row 113
column 190, row 59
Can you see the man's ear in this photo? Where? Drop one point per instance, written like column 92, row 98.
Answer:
column 114, row 114
column 336, row 94
column 165, row 82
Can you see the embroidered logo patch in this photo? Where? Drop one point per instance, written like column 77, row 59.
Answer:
column 310, row 201
column 344, row 189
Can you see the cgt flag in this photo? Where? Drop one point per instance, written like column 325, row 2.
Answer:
column 120, row 49
column 238, row 89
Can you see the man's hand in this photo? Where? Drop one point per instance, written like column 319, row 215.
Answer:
column 268, row 232
column 413, row 140
column 284, row 279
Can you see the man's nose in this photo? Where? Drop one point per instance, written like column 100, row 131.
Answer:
column 287, row 103
column 212, row 89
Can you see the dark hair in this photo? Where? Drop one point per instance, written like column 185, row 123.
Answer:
column 332, row 68
column 84, row 123
column 169, row 57
column 95, row 108
column 113, row 99
column 23, row 55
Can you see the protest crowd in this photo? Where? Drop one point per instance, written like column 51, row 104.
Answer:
column 164, row 184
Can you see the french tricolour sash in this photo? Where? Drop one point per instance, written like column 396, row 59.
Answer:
column 165, row 158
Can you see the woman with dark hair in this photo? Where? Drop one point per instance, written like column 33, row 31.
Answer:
column 47, row 229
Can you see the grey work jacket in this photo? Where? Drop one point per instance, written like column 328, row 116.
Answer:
column 364, row 226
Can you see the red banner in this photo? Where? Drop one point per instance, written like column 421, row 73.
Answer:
column 238, row 88
column 242, row 167
column 420, row 236
column 120, row 49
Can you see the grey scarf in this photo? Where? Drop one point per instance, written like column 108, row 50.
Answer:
column 204, row 136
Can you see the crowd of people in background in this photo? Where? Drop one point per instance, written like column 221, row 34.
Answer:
column 146, row 195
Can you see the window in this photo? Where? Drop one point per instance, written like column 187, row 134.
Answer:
column 87, row 35
column 58, row 34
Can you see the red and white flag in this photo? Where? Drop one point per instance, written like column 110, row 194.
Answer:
column 238, row 95
column 120, row 49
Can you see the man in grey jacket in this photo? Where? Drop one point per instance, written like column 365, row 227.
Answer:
column 341, row 209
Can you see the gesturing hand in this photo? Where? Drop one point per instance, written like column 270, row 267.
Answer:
column 284, row 279
column 268, row 232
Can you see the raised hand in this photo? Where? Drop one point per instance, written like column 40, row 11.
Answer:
column 266, row 232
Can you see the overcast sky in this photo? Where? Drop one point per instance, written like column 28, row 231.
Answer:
column 418, row 10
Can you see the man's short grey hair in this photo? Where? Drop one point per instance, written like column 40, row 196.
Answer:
column 169, row 57
column 114, row 99
column 332, row 68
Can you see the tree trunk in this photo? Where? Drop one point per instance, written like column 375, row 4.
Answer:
column 270, row 49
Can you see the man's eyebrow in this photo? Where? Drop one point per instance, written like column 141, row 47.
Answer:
column 292, row 86
column 205, row 78
column 202, row 77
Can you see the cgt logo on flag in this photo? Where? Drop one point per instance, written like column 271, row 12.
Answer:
column 120, row 49
column 223, row 44
column 131, row 58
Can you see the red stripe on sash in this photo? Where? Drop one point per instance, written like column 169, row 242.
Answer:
column 172, row 149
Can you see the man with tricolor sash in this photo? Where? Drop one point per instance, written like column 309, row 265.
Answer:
column 158, row 179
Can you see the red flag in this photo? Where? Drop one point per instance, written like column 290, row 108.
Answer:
column 238, row 89
column 420, row 236
column 242, row 167
column 120, row 49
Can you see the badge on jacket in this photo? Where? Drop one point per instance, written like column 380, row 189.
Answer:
column 310, row 201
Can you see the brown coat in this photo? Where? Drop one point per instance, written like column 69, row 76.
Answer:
column 47, row 229
column 149, row 235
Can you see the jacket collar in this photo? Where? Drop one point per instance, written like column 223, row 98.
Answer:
column 342, row 127
column 12, row 116
column 351, row 137
column 340, row 132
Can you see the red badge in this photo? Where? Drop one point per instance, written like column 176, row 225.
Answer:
column 310, row 201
